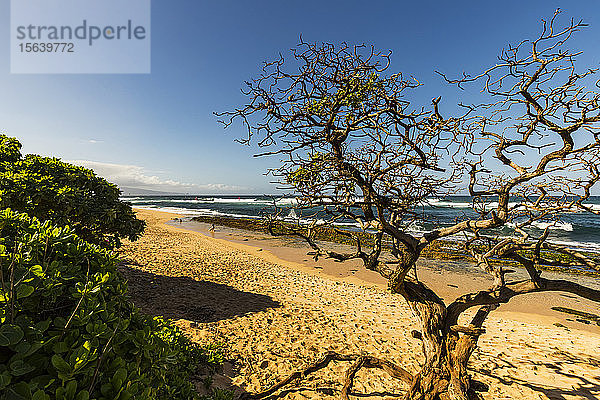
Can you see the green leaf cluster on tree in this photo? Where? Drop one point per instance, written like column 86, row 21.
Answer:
column 50, row 189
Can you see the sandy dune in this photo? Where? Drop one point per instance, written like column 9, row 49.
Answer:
column 275, row 318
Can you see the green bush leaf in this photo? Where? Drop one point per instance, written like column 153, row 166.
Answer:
column 5, row 379
column 60, row 322
column 106, row 389
column 60, row 347
column 10, row 334
column 70, row 390
column 22, row 348
column 37, row 270
column 24, row 291
column 20, row 367
column 60, row 364
column 20, row 391
column 119, row 378
column 83, row 395
column 43, row 325
column 40, row 395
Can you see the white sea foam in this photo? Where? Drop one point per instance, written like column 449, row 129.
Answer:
column 341, row 224
column 553, row 226
column 447, row 204
column 218, row 200
column 194, row 211
column 556, row 225
column 589, row 246
column 416, row 228
column 595, row 207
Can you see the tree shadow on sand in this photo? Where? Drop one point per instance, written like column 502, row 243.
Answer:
column 182, row 297
column 583, row 387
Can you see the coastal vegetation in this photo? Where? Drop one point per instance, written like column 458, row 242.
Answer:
column 351, row 143
column 67, row 327
column 52, row 190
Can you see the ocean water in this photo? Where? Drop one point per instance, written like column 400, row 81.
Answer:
column 577, row 230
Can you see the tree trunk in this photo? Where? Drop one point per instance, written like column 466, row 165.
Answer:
column 444, row 374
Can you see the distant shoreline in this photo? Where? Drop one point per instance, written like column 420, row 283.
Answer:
column 579, row 231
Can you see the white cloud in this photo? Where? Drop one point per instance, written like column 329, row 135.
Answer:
column 137, row 177
column 94, row 141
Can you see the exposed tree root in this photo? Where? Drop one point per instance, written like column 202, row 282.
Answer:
column 358, row 362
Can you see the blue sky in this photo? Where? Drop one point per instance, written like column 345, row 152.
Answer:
column 157, row 131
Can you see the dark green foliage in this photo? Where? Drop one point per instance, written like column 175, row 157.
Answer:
column 10, row 149
column 67, row 330
column 49, row 189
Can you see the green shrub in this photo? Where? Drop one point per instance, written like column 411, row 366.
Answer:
column 67, row 330
column 49, row 189
column 10, row 149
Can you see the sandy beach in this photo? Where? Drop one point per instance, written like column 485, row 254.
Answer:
column 275, row 311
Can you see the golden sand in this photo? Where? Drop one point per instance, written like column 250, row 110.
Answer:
column 275, row 315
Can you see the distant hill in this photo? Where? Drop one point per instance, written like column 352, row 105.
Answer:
column 127, row 191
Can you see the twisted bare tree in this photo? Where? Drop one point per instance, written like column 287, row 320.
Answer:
column 354, row 148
